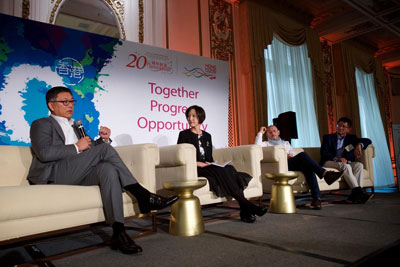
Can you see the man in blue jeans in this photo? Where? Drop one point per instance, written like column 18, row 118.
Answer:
column 299, row 162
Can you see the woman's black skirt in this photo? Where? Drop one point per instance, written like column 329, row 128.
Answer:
column 224, row 180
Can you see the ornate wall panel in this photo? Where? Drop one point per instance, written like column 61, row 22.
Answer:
column 329, row 85
column 221, row 44
column 221, row 29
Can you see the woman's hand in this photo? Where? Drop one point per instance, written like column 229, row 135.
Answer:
column 202, row 164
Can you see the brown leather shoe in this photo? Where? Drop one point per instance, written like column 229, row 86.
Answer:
column 316, row 204
column 331, row 176
column 123, row 242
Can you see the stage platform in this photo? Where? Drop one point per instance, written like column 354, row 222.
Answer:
column 338, row 235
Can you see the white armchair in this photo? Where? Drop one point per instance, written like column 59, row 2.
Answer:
column 178, row 163
column 275, row 161
column 34, row 209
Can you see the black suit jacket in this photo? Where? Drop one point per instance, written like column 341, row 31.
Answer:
column 189, row 137
column 48, row 148
column 329, row 146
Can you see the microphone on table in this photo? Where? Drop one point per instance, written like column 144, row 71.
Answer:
column 79, row 127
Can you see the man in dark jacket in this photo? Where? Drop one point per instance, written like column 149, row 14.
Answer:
column 339, row 151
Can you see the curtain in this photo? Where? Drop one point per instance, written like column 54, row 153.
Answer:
column 372, row 128
column 263, row 23
column 290, row 88
column 355, row 55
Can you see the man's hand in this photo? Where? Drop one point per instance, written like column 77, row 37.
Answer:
column 289, row 156
column 104, row 133
column 344, row 160
column 84, row 143
column 358, row 151
column 263, row 129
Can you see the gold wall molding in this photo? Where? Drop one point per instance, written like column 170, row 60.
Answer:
column 141, row 25
column 117, row 6
column 200, row 30
column 26, row 8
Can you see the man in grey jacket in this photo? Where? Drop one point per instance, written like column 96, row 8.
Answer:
column 63, row 156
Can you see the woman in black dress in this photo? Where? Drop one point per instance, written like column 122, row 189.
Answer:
column 224, row 181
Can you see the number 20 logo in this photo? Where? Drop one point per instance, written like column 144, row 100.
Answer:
column 137, row 62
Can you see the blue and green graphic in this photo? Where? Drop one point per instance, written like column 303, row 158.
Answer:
column 36, row 56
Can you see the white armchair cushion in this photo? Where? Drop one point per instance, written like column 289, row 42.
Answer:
column 33, row 209
column 178, row 163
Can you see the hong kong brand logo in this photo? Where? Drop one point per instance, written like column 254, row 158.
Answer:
column 70, row 70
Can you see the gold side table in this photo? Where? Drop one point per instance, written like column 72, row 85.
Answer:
column 186, row 217
column 282, row 199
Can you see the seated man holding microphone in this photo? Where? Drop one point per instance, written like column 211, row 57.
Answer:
column 64, row 154
column 300, row 162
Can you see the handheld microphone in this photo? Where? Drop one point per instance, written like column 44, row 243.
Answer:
column 79, row 127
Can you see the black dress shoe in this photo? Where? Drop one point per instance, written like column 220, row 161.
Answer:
column 358, row 196
column 260, row 211
column 316, row 204
column 123, row 242
column 331, row 176
column 247, row 217
column 366, row 197
column 157, row 202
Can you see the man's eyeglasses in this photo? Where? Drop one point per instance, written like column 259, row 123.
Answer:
column 342, row 126
column 65, row 102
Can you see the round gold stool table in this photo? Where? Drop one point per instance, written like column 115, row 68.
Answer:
column 282, row 199
column 186, row 217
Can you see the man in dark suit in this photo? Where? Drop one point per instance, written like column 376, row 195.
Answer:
column 339, row 151
column 61, row 156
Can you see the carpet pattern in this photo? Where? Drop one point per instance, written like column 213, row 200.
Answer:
column 338, row 235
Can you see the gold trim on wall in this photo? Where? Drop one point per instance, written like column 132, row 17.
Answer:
column 141, row 25
column 116, row 6
column 25, row 9
column 166, row 25
column 200, row 31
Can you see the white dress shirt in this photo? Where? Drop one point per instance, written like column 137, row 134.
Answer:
column 286, row 144
column 69, row 133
